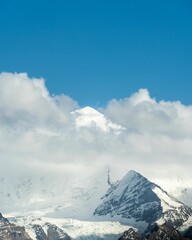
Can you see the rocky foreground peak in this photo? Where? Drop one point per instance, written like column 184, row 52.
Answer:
column 9, row 231
column 159, row 232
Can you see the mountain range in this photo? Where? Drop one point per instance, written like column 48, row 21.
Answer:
column 133, row 201
column 91, row 207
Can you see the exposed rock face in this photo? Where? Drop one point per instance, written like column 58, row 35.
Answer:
column 188, row 233
column 136, row 198
column 40, row 234
column 53, row 233
column 165, row 231
column 130, row 234
column 177, row 216
column 131, row 197
column 3, row 221
column 10, row 231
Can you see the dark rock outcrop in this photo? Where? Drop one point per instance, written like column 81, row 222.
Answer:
column 165, row 231
column 39, row 232
column 130, row 234
column 162, row 232
column 188, row 233
column 53, row 232
column 9, row 231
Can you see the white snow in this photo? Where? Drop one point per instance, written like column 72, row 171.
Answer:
column 75, row 228
column 59, row 203
column 167, row 202
column 186, row 224
column 179, row 187
column 57, row 198
column 89, row 117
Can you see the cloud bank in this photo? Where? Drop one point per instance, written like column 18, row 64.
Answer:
column 38, row 134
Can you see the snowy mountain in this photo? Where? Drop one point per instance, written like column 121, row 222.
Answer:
column 89, row 117
column 52, row 196
column 51, row 207
column 64, row 229
column 136, row 201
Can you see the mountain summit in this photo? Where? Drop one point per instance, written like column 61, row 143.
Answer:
column 89, row 117
column 135, row 199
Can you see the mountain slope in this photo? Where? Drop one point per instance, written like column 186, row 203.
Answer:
column 9, row 231
column 165, row 231
column 137, row 201
column 54, row 196
column 38, row 227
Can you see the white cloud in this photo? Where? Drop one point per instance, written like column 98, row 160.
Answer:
column 144, row 114
column 38, row 134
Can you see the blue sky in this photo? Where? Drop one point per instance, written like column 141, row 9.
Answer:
column 94, row 51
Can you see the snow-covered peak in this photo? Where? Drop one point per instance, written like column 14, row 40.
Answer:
column 132, row 180
column 88, row 111
column 89, row 117
column 135, row 197
column 132, row 177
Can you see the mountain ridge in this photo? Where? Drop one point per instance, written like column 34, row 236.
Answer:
column 135, row 197
column 133, row 201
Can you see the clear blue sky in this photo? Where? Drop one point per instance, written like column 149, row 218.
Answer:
column 97, row 50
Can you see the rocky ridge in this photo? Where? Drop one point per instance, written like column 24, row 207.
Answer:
column 135, row 199
column 9, row 231
column 159, row 232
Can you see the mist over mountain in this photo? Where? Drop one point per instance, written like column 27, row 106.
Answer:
column 133, row 202
column 59, row 159
column 45, row 136
column 95, row 120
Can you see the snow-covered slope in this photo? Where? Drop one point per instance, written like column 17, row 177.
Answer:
column 89, row 117
column 138, row 202
column 133, row 200
column 52, row 196
column 179, row 186
column 78, row 230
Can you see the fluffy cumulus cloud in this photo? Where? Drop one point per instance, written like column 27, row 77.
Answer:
column 142, row 113
column 39, row 134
